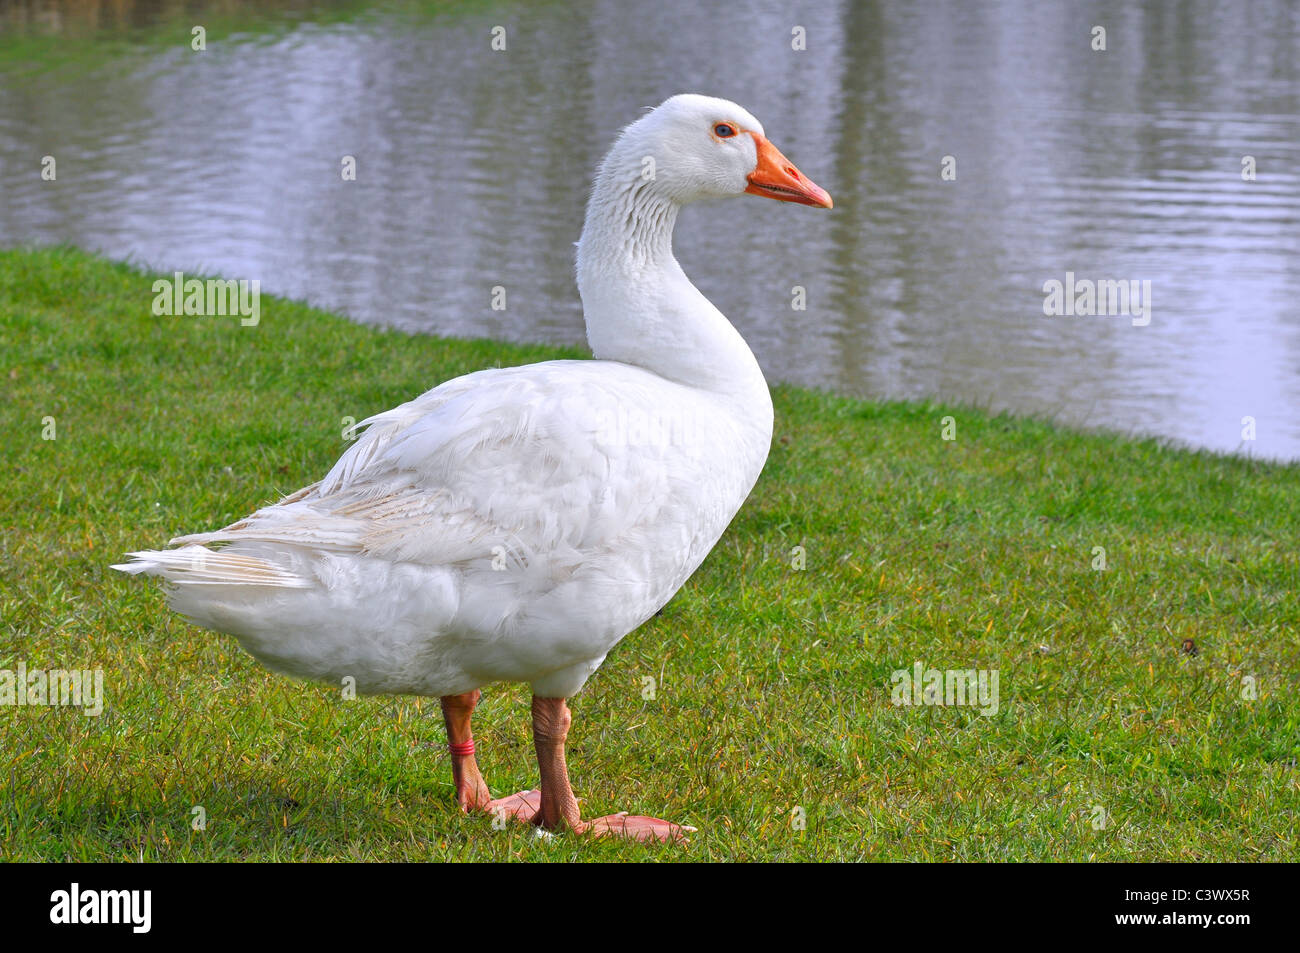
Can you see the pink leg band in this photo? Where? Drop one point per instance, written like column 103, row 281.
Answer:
column 461, row 748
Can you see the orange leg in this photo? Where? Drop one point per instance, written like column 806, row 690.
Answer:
column 471, row 790
column 554, row 807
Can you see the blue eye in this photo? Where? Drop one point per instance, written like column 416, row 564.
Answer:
column 723, row 131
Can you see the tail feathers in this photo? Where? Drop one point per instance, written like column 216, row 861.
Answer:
column 198, row 565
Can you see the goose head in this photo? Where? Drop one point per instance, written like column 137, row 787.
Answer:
column 708, row 148
column 638, row 304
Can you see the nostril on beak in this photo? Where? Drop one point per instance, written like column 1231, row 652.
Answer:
column 791, row 170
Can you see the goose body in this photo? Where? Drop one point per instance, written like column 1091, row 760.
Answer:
column 515, row 523
column 501, row 527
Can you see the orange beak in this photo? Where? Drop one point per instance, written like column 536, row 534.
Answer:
column 777, row 178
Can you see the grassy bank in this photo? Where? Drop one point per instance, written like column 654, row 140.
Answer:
column 773, row 682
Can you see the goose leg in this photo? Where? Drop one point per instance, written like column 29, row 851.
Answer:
column 471, row 790
column 558, row 808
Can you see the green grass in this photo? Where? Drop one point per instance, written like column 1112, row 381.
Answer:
column 774, row 683
column 96, row 34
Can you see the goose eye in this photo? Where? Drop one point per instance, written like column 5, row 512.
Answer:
column 724, row 131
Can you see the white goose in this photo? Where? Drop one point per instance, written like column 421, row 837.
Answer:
column 514, row 524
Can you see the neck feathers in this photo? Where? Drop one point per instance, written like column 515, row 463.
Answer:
column 639, row 306
column 628, row 218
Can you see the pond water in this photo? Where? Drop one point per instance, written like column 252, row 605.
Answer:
column 1131, row 163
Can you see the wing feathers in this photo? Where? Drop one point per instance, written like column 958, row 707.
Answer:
column 509, row 464
column 196, row 565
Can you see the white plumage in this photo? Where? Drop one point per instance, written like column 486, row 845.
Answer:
column 499, row 527
column 514, row 524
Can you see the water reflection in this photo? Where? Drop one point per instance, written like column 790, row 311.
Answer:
column 473, row 167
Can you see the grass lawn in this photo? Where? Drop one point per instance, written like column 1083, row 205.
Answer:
column 1114, row 739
